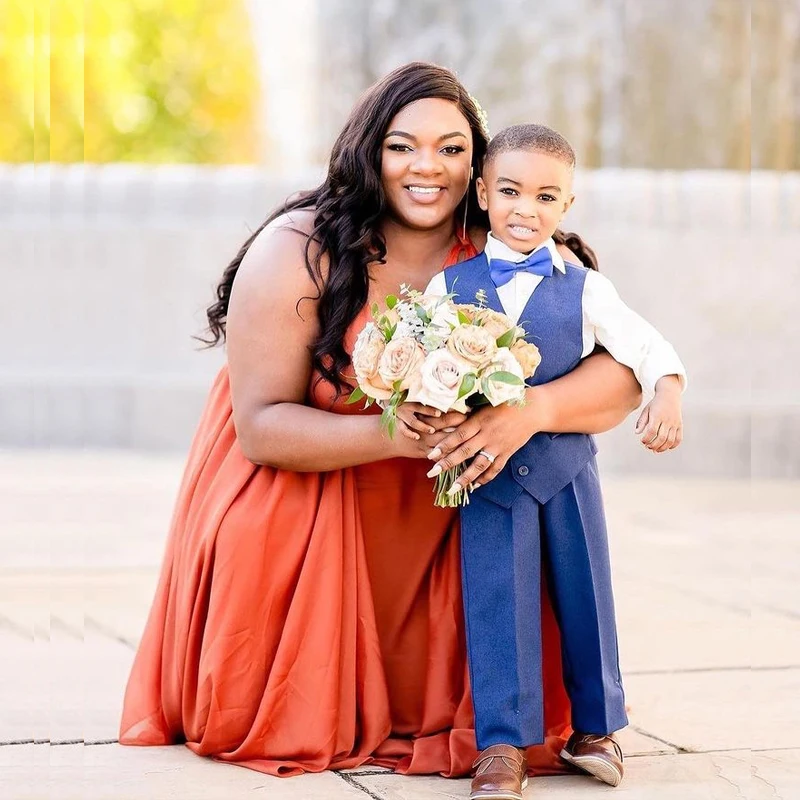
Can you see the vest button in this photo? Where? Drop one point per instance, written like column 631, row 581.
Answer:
column 523, row 470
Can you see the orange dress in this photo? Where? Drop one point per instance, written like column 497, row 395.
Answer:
column 313, row 621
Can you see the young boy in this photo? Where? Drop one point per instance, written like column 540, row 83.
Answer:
column 545, row 507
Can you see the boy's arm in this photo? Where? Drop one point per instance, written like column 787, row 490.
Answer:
column 630, row 338
column 633, row 341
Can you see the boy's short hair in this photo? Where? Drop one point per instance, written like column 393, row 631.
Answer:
column 535, row 138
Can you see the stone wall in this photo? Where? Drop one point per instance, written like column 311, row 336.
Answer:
column 107, row 272
column 662, row 84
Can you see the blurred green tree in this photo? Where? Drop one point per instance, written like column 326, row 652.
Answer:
column 159, row 81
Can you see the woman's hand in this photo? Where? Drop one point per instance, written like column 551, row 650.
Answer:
column 488, row 432
column 417, row 431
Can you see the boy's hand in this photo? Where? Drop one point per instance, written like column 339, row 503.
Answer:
column 660, row 422
column 446, row 422
column 409, row 421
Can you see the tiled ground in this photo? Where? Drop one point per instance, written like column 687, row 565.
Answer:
column 709, row 613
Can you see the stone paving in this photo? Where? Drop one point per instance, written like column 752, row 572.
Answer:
column 706, row 576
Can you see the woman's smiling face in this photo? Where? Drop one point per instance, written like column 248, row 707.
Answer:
column 425, row 163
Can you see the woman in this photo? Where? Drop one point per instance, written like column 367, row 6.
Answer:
column 308, row 614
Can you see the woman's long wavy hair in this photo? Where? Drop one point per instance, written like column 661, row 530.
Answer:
column 349, row 205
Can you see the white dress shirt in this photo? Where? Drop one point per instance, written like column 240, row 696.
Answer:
column 629, row 338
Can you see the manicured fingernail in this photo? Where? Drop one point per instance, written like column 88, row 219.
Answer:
column 437, row 413
column 435, row 470
column 435, row 454
column 454, row 489
column 416, row 436
column 431, row 430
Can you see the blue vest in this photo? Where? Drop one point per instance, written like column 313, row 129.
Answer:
column 553, row 321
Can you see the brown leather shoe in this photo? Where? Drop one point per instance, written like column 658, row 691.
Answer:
column 600, row 756
column 499, row 774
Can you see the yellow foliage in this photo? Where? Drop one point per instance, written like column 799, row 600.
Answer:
column 17, row 47
column 159, row 81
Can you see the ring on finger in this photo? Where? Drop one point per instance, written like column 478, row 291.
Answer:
column 488, row 456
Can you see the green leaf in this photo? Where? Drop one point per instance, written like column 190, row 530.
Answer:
column 389, row 420
column 507, row 339
column 477, row 400
column 385, row 328
column 506, row 377
column 398, row 397
column 370, row 401
column 422, row 314
column 355, row 396
column 391, row 301
column 463, row 318
column 375, row 310
column 467, row 384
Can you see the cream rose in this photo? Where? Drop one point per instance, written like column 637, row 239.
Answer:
column 473, row 344
column 389, row 317
column 442, row 312
column 528, row 356
column 470, row 312
column 401, row 361
column 440, row 380
column 367, row 352
column 499, row 392
column 496, row 323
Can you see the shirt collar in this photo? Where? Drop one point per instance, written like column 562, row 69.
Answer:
column 497, row 249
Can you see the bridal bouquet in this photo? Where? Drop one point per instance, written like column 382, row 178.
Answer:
column 430, row 350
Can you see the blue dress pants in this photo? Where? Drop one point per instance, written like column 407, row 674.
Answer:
column 504, row 554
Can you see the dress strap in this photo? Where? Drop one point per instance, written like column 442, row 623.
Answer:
column 462, row 250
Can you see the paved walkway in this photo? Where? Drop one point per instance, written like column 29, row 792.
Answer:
column 709, row 613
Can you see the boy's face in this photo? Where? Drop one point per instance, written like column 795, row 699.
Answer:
column 527, row 195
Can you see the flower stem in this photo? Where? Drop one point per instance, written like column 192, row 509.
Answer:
column 444, row 482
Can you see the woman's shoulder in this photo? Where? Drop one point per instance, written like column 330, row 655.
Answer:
column 297, row 220
column 284, row 249
column 289, row 231
column 280, row 266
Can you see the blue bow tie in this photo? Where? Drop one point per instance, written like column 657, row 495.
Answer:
column 539, row 262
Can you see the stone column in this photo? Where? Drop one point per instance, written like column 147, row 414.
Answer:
column 286, row 36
